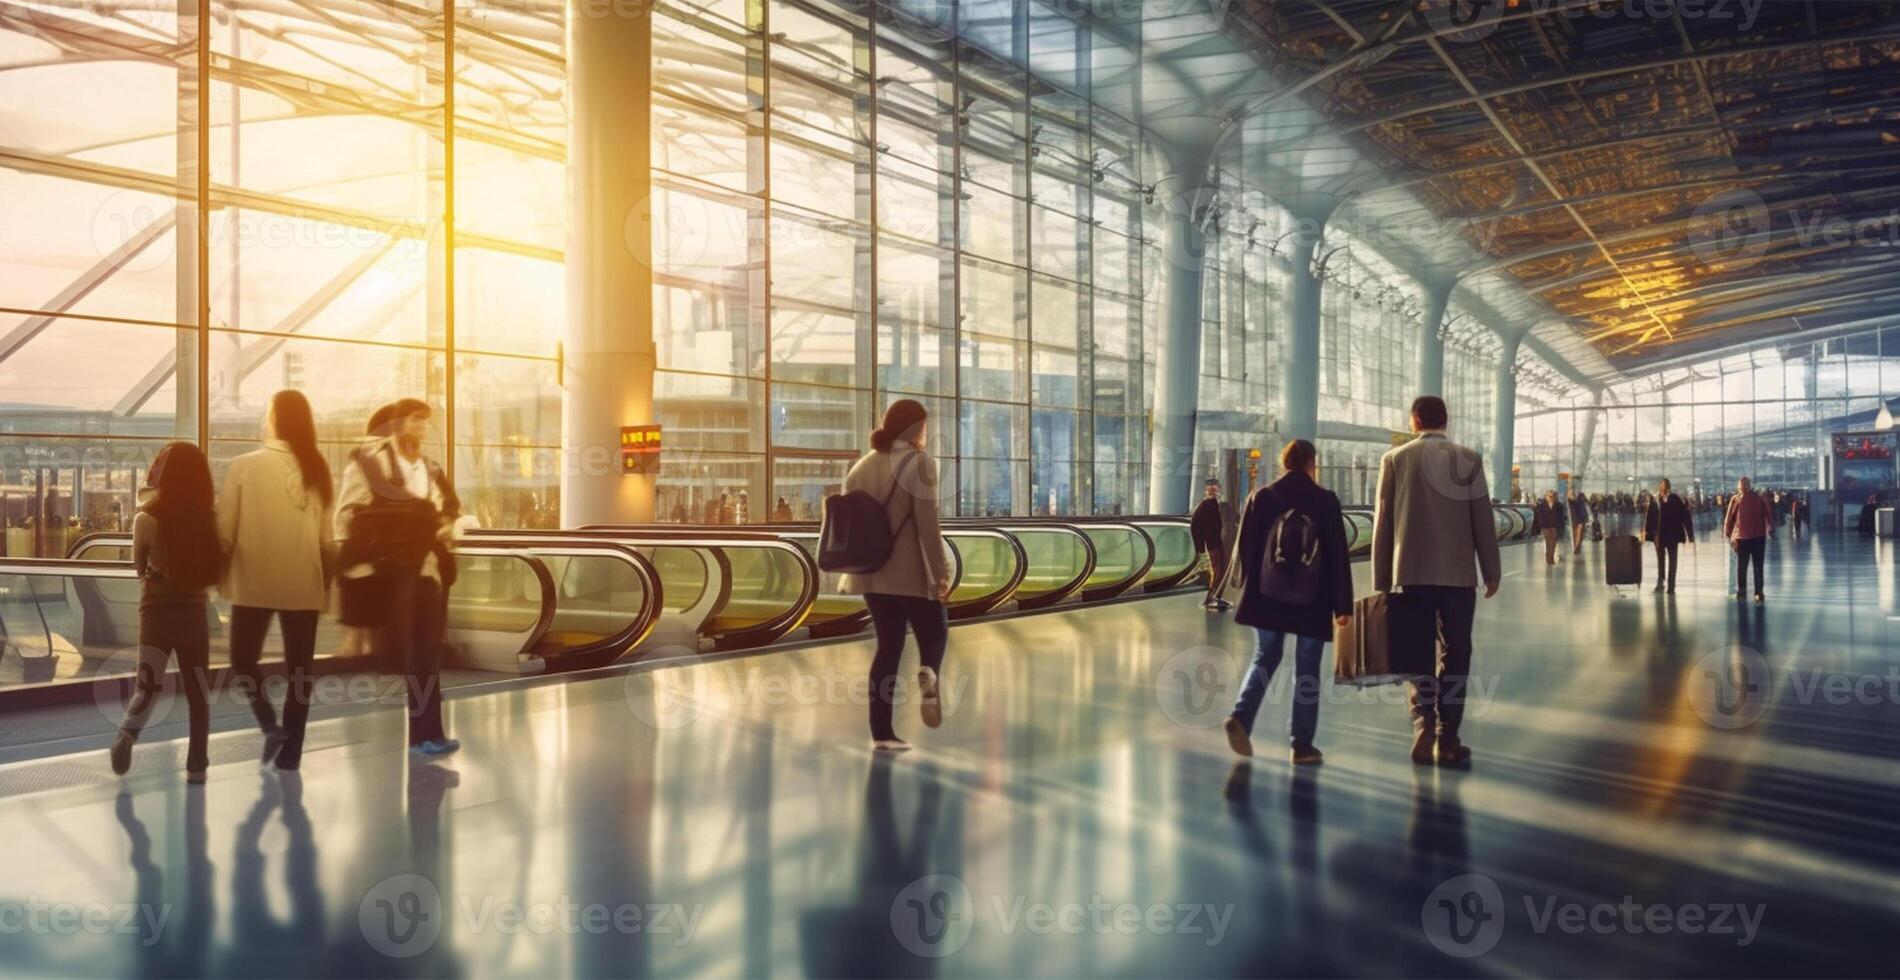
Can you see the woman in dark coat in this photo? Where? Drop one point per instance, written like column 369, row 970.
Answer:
column 1311, row 622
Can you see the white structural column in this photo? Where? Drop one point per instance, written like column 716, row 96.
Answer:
column 1506, row 415
column 607, row 352
column 1589, row 437
column 1430, row 377
column 1300, row 382
column 1178, row 361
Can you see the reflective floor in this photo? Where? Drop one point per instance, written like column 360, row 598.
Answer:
column 1633, row 810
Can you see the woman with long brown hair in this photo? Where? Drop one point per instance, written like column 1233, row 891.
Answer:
column 274, row 522
column 907, row 593
column 175, row 550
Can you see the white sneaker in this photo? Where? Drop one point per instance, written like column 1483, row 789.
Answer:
column 929, row 703
column 890, row 745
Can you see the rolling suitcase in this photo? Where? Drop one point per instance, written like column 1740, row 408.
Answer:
column 1386, row 643
column 1622, row 560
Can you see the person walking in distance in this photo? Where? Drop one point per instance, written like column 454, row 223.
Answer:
column 1550, row 521
column 1293, row 576
column 1798, row 515
column 1207, row 527
column 908, row 591
column 1746, row 526
column 274, row 522
column 1579, row 519
column 175, row 552
column 1667, row 523
column 396, row 515
column 1433, row 518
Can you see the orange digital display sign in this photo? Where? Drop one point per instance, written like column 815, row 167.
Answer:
column 639, row 448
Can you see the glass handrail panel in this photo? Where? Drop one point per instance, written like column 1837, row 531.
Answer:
column 494, row 593
column 102, row 551
column 989, row 564
column 1358, row 532
column 766, row 584
column 684, row 574
column 69, row 621
column 596, row 597
column 833, row 603
column 1057, row 557
column 1119, row 553
column 1174, row 549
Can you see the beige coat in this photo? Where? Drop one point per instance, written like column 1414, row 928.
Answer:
column 275, row 533
column 919, row 564
column 1433, row 517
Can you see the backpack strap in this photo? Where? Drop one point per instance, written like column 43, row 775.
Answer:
column 897, row 478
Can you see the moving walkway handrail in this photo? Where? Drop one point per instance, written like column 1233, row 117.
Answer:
column 1116, row 587
column 524, row 657
column 69, row 572
column 610, row 647
column 714, row 543
column 804, row 534
column 119, row 539
column 1018, row 526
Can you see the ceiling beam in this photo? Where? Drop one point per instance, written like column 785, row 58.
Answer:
column 1543, row 177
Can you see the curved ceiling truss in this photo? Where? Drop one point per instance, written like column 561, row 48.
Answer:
column 1670, row 177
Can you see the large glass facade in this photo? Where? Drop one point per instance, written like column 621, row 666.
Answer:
column 1368, row 355
column 933, row 207
column 200, row 212
column 1765, row 413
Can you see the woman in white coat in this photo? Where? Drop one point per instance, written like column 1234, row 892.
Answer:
column 274, row 524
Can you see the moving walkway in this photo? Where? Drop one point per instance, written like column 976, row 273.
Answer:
column 532, row 601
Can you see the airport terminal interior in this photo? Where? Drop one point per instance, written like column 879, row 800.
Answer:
column 654, row 271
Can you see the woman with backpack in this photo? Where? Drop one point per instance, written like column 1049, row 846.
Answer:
column 274, row 522
column 908, row 589
column 395, row 515
column 1293, row 577
column 175, row 551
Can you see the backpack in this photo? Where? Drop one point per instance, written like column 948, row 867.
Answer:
column 1290, row 566
column 855, row 534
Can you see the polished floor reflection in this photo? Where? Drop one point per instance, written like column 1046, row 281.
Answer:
column 1664, row 786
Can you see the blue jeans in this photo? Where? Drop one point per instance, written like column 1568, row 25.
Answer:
column 1266, row 659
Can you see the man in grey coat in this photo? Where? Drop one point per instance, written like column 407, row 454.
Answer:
column 1433, row 516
